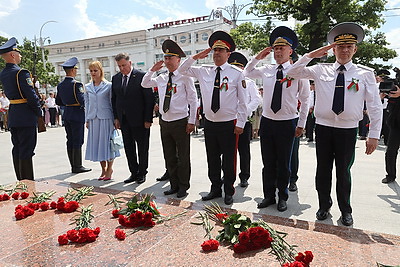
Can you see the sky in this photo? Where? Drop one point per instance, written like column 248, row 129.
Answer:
column 82, row 19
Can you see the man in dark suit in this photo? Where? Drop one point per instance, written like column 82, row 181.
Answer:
column 70, row 94
column 24, row 109
column 133, row 114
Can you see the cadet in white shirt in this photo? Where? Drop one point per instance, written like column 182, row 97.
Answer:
column 223, row 92
column 341, row 89
column 253, row 99
column 178, row 106
column 280, row 121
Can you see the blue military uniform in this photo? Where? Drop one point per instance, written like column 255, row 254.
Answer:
column 23, row 113
column 70, row 94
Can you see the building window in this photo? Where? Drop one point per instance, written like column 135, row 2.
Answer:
column 188, row 53
column 107, row 76
column 86, row 47
column 104, row 62
column 134, row 40
column 159, row 57
column 197, row 37
column 59, row 51
column 204, row 36
column 72, row 49
column 190, row 37
column 117, row 42
column 101, row 44
column 162, row 41
column 182, row 39
column 155, row 41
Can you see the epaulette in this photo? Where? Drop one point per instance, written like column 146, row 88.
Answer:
column 236, row 68
column 365, row 67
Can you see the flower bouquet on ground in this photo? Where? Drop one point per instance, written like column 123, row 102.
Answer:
column 245, row 235
column 139, row 213
column 12, row 191
column 38, row 201
column 82, row 233
column 70, row 201
column 210, row 244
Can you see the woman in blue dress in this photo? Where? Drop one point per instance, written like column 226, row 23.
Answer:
column 99, row 121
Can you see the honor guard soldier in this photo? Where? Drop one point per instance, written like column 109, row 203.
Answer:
column 341, row 89
column 280, row 121
column 70, row 94
column 178, row 98
column 222, row 89
column 23, row 112
column 253, row 100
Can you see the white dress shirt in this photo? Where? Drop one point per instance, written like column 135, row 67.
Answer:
column 232, row 100
column 298, row 90
column 253, row 97
column 50, row 102
column 183, row 96
column 324, row 76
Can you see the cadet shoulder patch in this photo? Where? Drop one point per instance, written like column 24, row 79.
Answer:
column 29, row 81
column 81, row 88
column 244, row 83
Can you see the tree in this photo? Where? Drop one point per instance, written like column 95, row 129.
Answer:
column 33, row 63
column 252, row 36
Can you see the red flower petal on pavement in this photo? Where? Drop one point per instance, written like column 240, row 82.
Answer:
column 120, row 234
column 63, row 240
column 24, row 195
column 15, row 195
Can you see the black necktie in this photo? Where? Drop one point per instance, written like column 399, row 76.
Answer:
column 168, row 93
column 277, row 96
column 124, row 83
column 215, row 95
column 338, row 98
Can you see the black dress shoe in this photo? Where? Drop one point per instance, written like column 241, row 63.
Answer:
column 165, row 177
column 322, row 214
column 266, row 202
column 244, row 183
column 346, row 219
column 228, row 200
column 282, row 206
column 211, row 195
column 292, row 187
column 141, row 179
column 131, row 179
column 181, row 194
column 170, row 192
column 387, row 180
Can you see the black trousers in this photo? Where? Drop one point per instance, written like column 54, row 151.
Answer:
column 136, row 138
column 176, row 148
column 334, row 144
column 221, row 140
column 310, row 125
column 276, row 139
column 53, row 113
column 24, row 142
column 244, row 152
column 294, row 160
column 75, row 134
column 392, row 151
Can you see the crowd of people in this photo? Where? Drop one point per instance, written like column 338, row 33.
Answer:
column 334, row 100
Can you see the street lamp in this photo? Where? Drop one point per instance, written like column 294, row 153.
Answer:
column 42, row 40
column 234, row 11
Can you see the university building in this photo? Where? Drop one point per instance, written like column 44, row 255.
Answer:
column 143, row 46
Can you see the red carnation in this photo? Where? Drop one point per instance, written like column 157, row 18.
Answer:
column 44, row 206
column 19, row 207
column 15, row 195
column 19, row 214
column 1, row 197
column 53, row 205
column 210, row 245
column 73, row 235
column 91, row 236
column 28, row 211
column 96, row 231
column 120, row 234
column 63, row 240
column 150, row 223
column 115, row 213
column 6, row 197
column 122, row 220
column 309, row 256
column 60, row 199
column 221, row 216
column 148, row 216
column 71, row 206
column 24, row 195
column 60, row 205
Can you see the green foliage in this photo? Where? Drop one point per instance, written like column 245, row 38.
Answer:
column 252, row 36
column 144, row 205
column 29, row 58
column 233, row 226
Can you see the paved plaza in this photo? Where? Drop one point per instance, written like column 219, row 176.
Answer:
column 376, row 208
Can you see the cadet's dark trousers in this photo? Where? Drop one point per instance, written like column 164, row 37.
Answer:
column 136, row 136
column 75, row 133
column 294, row 160
column 276, row 140
column 244, row 152
column 24, row 142
column 391, row 152
column 220, row 140
column 310, row 125
column 334, row 144
column 176, row 148
column 53, row 114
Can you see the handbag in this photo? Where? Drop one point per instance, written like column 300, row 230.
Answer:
column 116, row 141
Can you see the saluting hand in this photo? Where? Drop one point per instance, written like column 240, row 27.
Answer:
column 157, row 66
column 265, row 52
column 320, row 52
column 202, row 54
column 371, row 144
